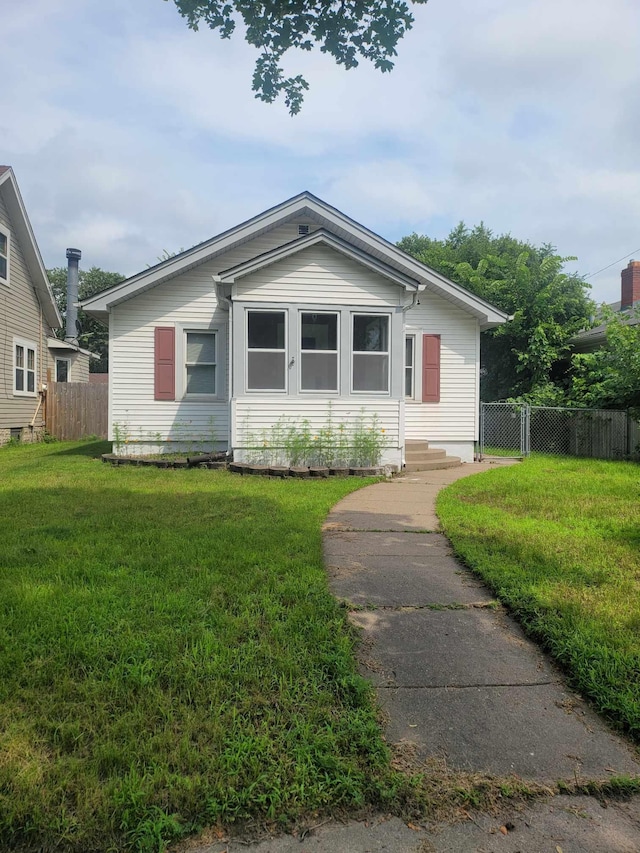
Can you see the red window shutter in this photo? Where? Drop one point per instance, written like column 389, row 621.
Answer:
column 164, row 363
column 431, row 368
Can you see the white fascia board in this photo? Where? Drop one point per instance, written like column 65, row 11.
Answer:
column 193, row 257
column 26, row 238
column 58, row 343
column 232, row 274
column 348, row 229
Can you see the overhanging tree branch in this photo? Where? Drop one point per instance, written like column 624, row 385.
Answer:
column 348, row 30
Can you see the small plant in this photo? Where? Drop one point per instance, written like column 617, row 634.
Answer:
column 121, row 435
column 332, row 446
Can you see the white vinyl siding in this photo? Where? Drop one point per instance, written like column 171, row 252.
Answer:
column 322, row 275
column 187, row 302
column 252, row 419
column 454, row 418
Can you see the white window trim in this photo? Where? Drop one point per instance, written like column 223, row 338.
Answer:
column 386, row 352
column 181, row 363
column 68, row 360
column 5, row 279
column 411, row 396
column 252, row 310
column 27, row 345
column 335, row 391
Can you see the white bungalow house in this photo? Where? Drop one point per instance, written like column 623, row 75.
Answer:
column 296, row 313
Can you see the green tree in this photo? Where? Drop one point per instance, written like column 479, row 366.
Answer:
column 348, row 30
column 609, row 378
column 94, row 336
column 524, row 357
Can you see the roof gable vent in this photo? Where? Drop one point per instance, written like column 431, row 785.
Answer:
column 303, row 230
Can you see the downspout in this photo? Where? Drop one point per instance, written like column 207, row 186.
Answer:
column 226, row 301
column 412, row 304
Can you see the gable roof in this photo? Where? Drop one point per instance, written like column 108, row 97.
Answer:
column 21, row 227
column 341, row 228
column 321, row 236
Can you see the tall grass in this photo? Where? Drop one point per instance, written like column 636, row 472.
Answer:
column 558, row 540
column 170, row 655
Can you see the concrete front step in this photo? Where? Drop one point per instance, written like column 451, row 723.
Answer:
column 434, row 465
column 420, row 457
column 424, row 455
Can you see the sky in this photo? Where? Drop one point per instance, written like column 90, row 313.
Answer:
column 130, row 134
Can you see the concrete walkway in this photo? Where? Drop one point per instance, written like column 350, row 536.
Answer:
column 462, row 686
column 454, row 673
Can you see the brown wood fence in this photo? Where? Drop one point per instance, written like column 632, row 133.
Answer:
column 76, row 410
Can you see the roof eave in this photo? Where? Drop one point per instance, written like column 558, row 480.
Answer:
column 33, row 258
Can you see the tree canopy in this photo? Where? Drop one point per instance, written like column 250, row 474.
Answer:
column 94, row 336
column 609, row 377
column 348, row 30
column 527, row 356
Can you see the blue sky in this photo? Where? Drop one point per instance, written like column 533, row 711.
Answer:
column 130, row 134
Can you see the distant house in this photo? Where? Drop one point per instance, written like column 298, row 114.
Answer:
column 30, row 354
column 629, row 306
column 292, row 315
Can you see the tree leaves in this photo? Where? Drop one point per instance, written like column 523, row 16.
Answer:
column 348, row 30
column 522, row 358
column 94, row 335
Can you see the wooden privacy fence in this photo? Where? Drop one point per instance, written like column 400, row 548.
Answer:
column 76, row 410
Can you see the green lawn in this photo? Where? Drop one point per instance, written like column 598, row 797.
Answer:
column 558, row 539
column 170, row 656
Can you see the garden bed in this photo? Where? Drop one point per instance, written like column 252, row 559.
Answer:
column 281, row 471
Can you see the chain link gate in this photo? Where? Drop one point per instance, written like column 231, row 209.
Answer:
column 516, row 429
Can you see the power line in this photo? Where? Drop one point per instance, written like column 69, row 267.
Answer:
column 624, row 258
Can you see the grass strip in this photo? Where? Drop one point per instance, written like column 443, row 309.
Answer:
column 558, row 541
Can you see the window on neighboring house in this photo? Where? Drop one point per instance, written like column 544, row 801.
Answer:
column 266, row 351
column 318, row 352
column 370, row 352
column 409, row 364
column 4, row 256
column 24, row 374
column 62, row 369
column 200, row 362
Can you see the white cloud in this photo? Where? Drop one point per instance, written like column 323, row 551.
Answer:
column 131, row 134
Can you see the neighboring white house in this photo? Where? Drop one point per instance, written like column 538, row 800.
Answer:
column 296, row 312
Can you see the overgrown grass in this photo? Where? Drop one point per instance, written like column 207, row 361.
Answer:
column 170, row 655
column 558, row 540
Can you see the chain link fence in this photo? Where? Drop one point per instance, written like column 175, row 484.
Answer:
column 515, row 430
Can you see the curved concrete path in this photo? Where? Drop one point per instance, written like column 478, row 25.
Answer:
column 459, row 683
column 456, row 676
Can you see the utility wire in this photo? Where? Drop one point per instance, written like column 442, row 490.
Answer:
column 624, row 258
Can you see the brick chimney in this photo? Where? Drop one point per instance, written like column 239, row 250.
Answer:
column 630, row 285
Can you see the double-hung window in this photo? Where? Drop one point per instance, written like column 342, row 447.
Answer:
column 24, row 363
column 4, row 256
column 370, row 367
column 200, row 362
column 409, row 365
column 266, row 351
column 318, row 351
